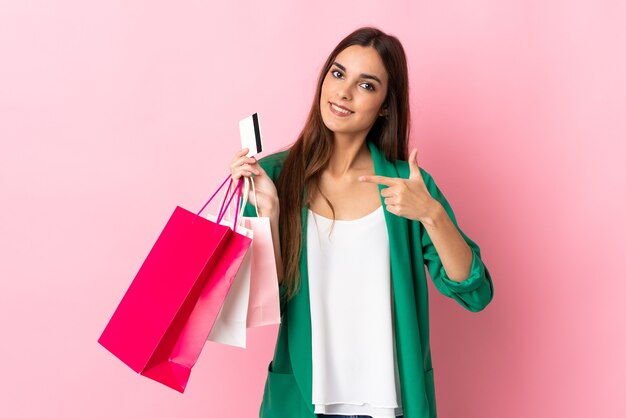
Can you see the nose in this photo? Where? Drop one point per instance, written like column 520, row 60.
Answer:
column 344, row 93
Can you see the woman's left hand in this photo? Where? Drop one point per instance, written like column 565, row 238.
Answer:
column 407, row 197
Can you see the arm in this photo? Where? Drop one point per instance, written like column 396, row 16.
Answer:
column 419, row 199
column 444, row 253
column 456, row 255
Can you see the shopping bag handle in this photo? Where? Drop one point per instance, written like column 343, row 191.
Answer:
column 211, row 198
column 240, row 197
column 222, row 208
column 223, row 213
column 244, row 198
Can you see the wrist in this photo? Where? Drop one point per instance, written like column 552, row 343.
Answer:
column 274, row 213
column 434, row 214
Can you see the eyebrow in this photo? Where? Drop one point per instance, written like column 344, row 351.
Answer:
column 363, row 75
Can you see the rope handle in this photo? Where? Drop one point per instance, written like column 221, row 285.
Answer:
column 222, row 210
column 246, row 191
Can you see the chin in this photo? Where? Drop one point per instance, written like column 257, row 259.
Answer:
column 333, row 127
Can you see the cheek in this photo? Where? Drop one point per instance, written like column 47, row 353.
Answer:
column 371, row 105
column 327, row 85
column 324, row 89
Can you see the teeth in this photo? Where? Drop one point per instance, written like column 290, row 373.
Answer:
column 338, row 109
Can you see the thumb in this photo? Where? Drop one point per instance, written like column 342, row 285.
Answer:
column 414, row 167
column 261, row 171
column 255, row 165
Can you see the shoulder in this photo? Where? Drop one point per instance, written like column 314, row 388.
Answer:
column 273, row 163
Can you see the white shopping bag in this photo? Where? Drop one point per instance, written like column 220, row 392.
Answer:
column 230, row 326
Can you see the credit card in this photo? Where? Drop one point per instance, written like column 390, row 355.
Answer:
column 250, row 132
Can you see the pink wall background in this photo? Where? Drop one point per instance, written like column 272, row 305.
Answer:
column 112, row 113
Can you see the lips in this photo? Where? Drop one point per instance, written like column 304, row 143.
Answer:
column 343, row 110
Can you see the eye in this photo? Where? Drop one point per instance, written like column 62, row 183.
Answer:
column 335, row 71
column 369, row 87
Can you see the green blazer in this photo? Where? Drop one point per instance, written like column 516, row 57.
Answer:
column 288, row 387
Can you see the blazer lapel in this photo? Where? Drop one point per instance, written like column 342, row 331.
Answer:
column 407, row 330
column 299, row 324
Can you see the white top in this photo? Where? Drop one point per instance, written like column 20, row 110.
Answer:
column 355, row 369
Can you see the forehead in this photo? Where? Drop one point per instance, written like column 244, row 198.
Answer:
column 359, row 59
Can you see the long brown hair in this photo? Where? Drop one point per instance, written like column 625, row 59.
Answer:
column 310, row 154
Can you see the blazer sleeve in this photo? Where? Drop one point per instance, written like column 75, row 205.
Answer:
column 475, row 292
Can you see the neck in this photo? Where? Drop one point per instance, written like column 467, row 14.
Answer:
column 349, row 156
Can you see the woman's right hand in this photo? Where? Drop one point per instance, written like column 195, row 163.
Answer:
column 266, row 194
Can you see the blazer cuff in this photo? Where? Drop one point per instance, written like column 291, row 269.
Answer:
column 473, row 282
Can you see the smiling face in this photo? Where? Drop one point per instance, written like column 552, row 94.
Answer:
column 357, row 83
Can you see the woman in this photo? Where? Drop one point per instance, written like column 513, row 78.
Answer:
column 353, row 223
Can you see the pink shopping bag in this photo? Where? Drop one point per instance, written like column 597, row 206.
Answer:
column 264, row 301
column 165, row 316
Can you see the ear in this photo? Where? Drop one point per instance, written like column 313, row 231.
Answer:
column 384, row 112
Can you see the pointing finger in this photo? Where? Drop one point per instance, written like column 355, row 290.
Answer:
column 387, row 181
